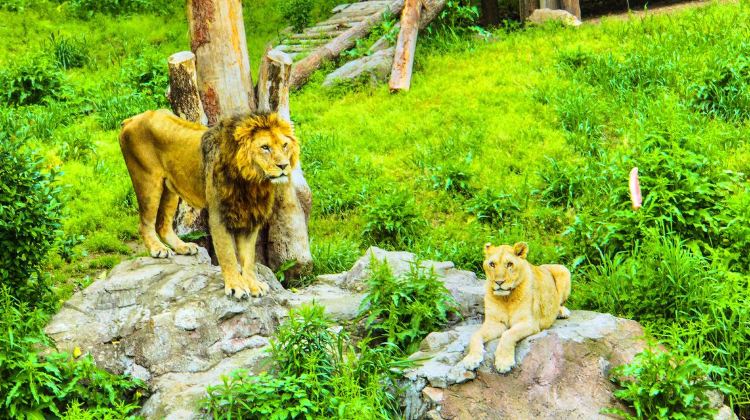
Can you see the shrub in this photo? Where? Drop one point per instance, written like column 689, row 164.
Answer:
column 403, row 310
column 297, row 12
column 112, row 110
column 452, row 177
column 68, row 52
column 87, row 8
column 305, row 343
column 725, row 93
column 32, row 80
column 665, row 385
column 393, row 220
column 29, row 221
column 494, row 208
column 36, row 385
column 147, row 73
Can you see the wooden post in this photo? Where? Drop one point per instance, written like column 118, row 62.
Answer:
column 285, row 238
column 217, row 38
column 526, row 8
column 403, row 60
column 183, row 88
column 186, row 103
column 572, row 6
column 490, row 12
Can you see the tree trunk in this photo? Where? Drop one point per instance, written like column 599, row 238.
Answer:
column 285, row 238
column 304, row 68
column 185, row 100
column 526, row 8
column 403, row 60
column 572, row 6
column 490, row 13
column 217, row 37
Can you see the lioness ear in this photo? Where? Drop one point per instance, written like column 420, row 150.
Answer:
column 487, row 248
column 521, row 249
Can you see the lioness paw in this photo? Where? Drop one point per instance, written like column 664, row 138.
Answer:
column 471, row 361
column 504, row 363
column 162, row 252
column 564, row 313
column 187, row 248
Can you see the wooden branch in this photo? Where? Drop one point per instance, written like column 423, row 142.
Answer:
column 217, row 38
column 304, row 68
column 273, row 83
column 403, row 60
column 183, row 88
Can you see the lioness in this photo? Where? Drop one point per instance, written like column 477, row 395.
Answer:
column 521, row 300
column 233, row 169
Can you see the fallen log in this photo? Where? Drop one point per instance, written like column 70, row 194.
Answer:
column 403, row 60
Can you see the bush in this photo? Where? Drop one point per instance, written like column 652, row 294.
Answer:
column 36, row 385
column 492, row 207
column 316, row 373
column 725, row 93
column 392, row 220
column 148, row 75
column 665, row 385
column 29, row 221
column 87, row 8
column 32, row 80
column 68, row 52
column 404, row 310
column 297, row 12
column 113, row 110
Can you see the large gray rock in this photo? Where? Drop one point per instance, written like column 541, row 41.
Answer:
column 375, row 67
column 539, row 16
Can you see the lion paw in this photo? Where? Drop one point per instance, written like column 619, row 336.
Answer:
column 161, row 252
column 564, row 313
column 504, row 363
column 258, row 288
column 237, row 287
column 186, row 248
column 471, row 361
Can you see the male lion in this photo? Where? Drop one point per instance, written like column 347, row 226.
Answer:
column 233, row 169
column 521, row 300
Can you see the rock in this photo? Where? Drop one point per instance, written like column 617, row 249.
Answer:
column 168, row 322
column 561, row 372
column 375, row 67
column 400, row 263
column 543, row 15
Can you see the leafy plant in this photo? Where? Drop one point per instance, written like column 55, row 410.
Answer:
column 403, row 310
column 493, row 207
column 32, row 80
column 393, row 220
column 724, row 93
column 29, row 221
column 665, row 385
column 297, row 12
column 87, row 8
column 68, row 52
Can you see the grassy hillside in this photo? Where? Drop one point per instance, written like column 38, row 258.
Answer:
column 528, row 135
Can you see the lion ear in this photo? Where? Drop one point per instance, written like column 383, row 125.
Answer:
column 487, row 248
column 521, row 249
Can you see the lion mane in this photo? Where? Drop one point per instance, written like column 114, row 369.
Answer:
column 521, row 299
column 233, row 169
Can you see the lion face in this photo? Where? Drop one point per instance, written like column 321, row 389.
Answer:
column 504, row 266
column 268, row 149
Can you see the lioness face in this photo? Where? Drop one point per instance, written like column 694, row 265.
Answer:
column 270, row 149
column 503, row 265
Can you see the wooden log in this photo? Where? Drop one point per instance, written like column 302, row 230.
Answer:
column 490, row 14
column 185, row 100
column 572, row 6
column 526, row 8
column 183, row 88
column 304, row 68
column 403, row 60
column 217, row 38
column 285, row 238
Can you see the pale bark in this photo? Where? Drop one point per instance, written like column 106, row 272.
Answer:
column 304, row 68
column 403, row 60
column 217, row 37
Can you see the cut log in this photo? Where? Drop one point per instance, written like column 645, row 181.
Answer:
column 304, row 68
column 185, row 100
column 490, row 15
column 285, row 238
column 217, row 38
column 526, row 8
column 572, row 6
column 403, row 60
column 183, row 88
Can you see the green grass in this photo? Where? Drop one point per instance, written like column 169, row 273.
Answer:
column 528, row 136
